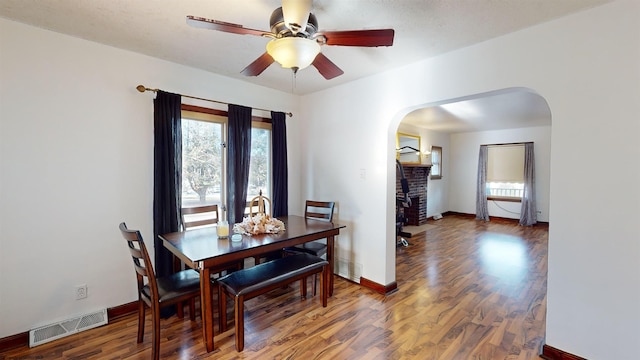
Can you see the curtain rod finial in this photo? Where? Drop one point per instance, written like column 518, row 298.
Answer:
column 141, row 88
column 290, row 114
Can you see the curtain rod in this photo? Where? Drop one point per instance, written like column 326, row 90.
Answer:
column 143, row 88
column 506, row 144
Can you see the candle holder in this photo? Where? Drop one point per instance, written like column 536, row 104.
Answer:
column 223, row 229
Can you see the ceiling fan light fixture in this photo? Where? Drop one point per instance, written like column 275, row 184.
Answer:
column 296, row 14
column 293, row 52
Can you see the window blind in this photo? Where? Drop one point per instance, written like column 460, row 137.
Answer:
column 505, row 163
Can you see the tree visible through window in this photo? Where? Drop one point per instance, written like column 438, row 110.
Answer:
column 260, row 164
column 204, row 156
column 201, row 162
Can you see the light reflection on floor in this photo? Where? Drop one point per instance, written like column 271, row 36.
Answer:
column 503, row 256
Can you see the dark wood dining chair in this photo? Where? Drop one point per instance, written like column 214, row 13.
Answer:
column 200, row 216
column 318, row 210
column 158, row 292
column 261, row 205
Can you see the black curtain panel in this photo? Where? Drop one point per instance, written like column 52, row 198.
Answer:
column 279, row 158
column 167, row 165
column 238, row 155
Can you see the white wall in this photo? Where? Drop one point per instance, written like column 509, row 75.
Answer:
column 464, row 169
column 587, row 68
column 76, row 159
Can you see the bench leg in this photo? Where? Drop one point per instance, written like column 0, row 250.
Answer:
column 239, row 319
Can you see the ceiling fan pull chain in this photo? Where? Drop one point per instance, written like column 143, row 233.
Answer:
column 294, row 76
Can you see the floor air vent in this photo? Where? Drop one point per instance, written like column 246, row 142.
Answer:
column 68, row 327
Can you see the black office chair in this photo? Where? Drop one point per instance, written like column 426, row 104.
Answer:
column 318, row 210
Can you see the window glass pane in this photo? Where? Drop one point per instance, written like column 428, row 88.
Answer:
column 436, row 162
column 201, row 162
column 260, row 164
column 203, row 158
column 505, row 189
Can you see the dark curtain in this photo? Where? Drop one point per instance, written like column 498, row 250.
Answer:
column 167, row 164
column 238, row 159
column 279, row 158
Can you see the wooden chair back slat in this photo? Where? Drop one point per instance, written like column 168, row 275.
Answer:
column 141, row 260
column 261, row 203
column 199, row 216
column 320, row 210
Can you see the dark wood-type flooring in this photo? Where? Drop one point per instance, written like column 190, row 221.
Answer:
column 466, row 290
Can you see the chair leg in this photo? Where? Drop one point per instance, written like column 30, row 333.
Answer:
column 156, row 334
column 177, row 266
column 239, row 319
column 192, row 309
column 141, row 311
column 324, row 285
column 222, row 310
column 303, row 288
column 315, row 282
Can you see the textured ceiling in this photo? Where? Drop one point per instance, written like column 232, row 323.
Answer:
column 423, row 28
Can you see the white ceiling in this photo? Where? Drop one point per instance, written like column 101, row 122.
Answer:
column 423, row 29
column 503, row 109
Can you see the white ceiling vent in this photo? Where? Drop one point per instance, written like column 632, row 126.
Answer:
column 64, row 328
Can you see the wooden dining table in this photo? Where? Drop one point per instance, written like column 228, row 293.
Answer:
column 201, row 249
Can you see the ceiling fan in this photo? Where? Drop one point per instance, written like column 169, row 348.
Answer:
column 295, row 39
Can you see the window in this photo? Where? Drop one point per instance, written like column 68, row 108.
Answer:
column 505, row 172
column 260, row 163
column 204, row 156
column 202, row 159
column 436, row 162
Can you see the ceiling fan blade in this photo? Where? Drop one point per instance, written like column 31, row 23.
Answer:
column 210, row 24
column 326, row 67
column 379, row 37
column 258, row 65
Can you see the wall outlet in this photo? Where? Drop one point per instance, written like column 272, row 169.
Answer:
column 81, row 292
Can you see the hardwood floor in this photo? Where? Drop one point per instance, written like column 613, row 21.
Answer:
column 466, row 290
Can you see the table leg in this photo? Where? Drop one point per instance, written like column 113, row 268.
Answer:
column 329, row 282
column 206, row 308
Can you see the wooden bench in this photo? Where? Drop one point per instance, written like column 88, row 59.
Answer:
column 248, row 283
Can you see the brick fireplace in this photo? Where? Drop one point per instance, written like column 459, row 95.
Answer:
column 417, row 177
